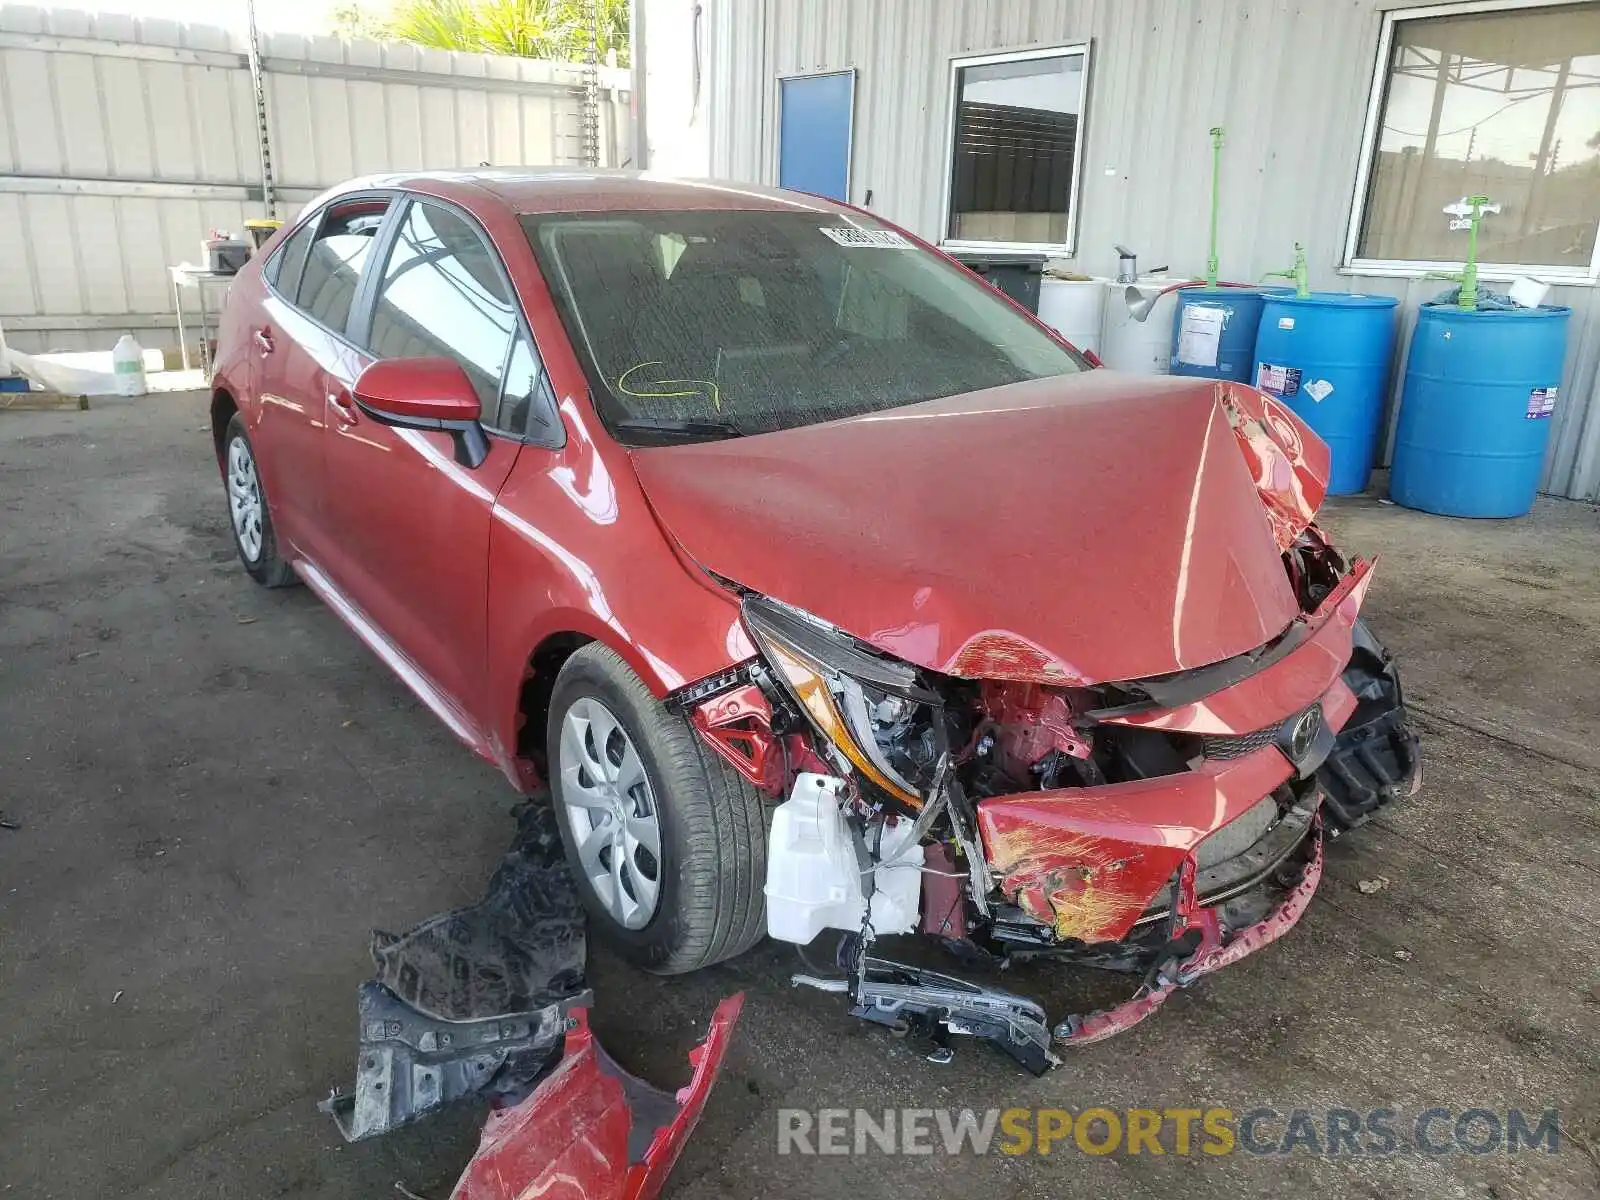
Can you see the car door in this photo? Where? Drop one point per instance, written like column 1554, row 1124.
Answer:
column 304, row 362
column 412, row 524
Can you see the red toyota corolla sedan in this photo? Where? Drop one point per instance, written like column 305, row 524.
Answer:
column 827, row 589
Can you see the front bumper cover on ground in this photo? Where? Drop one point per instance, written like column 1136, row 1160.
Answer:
column 591, row 1131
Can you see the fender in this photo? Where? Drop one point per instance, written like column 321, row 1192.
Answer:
column 565, row 521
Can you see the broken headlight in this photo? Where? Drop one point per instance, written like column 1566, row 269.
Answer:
column 874, row 711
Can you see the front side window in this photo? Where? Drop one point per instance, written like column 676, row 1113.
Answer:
column 744, row 322
column 1015, row 136
column 338, row 254
column 527, row 402
column 442, row 294
column 1493, row 101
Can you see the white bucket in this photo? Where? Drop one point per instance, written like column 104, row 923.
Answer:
column 1137, row 347
column 1074, row 308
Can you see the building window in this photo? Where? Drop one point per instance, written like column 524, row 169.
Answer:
column 1495, row 99
column 1015, row 138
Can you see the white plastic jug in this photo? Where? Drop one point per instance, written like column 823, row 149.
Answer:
column 127, row 364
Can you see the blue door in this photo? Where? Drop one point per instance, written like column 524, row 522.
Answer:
column 814, row 133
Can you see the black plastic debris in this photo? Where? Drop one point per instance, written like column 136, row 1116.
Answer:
column 474, row 1001
column 411, row 1065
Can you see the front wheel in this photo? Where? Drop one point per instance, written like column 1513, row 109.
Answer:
column 668, row 843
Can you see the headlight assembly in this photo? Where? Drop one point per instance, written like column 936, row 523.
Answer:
column 874, row 711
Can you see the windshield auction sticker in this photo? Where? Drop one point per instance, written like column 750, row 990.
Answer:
column 853, row 238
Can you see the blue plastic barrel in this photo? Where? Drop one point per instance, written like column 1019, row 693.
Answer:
column 1475, row 410
column 1214, row 332
column 1327, row 357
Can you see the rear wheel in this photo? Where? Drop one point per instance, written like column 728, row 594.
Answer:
column 253, row 535
column 667, row 841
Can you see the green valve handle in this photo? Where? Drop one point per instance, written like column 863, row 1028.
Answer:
column 1299, row 273
column 1467, row 213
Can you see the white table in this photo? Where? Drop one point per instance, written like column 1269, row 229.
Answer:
column 187, row 275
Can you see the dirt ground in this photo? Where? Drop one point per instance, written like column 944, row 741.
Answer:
column 220, row 792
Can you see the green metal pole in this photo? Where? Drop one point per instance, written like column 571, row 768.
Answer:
column 1469, row 273
column 1216, row 174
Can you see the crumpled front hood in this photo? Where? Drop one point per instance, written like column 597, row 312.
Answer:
column 1082, row 529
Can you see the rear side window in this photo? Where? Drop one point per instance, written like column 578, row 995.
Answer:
column 442, row 294
column 284, row 271
column 333, row 267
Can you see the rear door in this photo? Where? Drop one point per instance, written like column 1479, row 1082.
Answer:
column 412, row 524
column 305, row 362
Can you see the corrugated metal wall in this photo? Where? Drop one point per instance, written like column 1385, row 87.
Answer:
column 1289, row 81
column 124, row 141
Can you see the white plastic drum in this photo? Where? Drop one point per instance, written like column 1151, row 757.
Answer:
column 1074, row 308
column 1138, row 347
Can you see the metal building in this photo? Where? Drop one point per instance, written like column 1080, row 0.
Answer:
column 124, row 140
column 1349, row 124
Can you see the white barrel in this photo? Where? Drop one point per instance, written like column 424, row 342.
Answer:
column 1073, row 308
column 1138, row 347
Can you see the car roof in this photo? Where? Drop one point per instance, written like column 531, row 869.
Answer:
column 529, row 190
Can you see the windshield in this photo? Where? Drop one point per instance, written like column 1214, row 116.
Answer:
column 713, row 324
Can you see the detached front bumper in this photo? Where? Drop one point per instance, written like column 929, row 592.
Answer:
column 1091, row 863
column 590, row 1130
column 1212, row 954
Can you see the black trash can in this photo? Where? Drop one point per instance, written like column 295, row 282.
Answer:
column 1017, row 275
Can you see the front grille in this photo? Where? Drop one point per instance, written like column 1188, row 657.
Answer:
column 1227, row 746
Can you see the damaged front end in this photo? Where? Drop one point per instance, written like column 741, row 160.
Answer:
column 1162, row 827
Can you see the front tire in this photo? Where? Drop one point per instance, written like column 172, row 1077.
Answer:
column 667, row 842
column 248, row 518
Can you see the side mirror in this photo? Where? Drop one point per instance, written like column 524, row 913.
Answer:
column 425, row 393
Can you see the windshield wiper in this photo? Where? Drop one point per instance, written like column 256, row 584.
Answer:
column 672, row 428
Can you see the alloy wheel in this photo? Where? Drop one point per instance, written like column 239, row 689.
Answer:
column 611, row 811
column 244, row 498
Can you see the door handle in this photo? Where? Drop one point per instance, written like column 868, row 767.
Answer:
column 263, row 340
column 344, row 408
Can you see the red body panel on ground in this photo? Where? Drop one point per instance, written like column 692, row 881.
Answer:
column 570, row 1139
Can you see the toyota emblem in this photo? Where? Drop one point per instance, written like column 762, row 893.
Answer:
column 1305, row 732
